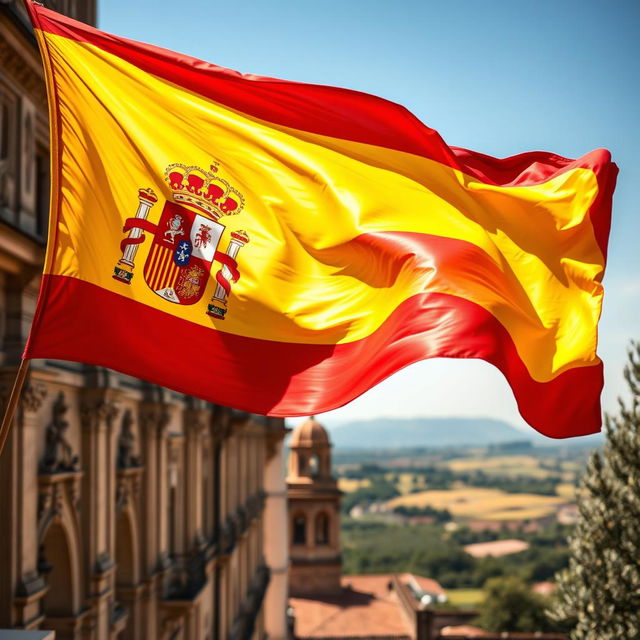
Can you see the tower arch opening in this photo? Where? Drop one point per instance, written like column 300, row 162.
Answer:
column 299, row 534
column 322, row 529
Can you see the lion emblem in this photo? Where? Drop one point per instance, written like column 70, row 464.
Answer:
column 174, row 228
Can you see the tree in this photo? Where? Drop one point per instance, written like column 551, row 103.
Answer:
column 510, row 605
column 600, row 590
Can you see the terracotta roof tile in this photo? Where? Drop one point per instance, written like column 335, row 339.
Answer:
column 428, row 585
column 464, row 630
column 544, row 588
column 365, row 609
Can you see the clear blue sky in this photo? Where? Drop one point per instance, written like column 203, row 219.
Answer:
column 500, row 77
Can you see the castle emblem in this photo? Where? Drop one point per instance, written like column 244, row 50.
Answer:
column 186, row 238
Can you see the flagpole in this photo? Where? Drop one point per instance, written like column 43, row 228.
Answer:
column 12, row 403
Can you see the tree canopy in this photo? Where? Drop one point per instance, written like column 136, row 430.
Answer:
column 599, row 593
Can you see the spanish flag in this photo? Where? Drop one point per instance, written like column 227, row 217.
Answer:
column 282, row 247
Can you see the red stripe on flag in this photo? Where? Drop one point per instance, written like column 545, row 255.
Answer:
column 337, row 112
column 283, row 379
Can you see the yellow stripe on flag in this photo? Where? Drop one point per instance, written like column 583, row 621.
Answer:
column 307, row 198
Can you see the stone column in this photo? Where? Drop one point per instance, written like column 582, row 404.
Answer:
column 242, row 572
column 130, row 588
column 220, row 430
column 99, row 410
column 19, row 577
column 162, row 479
column 223, row 492
column 240, row 551
column 174, row 478
column 233, row 464
column 275, row 541
column 244, row 441
column 196, row 418
column 251, row 549
column 208, row 486
column 153, row 418
column 223, row 599
column 235, row 595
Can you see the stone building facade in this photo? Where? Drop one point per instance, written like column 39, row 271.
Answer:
column 127, row 511
column 314, row 514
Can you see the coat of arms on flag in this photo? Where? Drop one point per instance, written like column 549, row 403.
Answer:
column 186, row 238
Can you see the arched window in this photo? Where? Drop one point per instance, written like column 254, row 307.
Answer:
column 125, row 559
column 322, row 529
column 126, row 572
column 58, row 601
column 314, row 466
column 302, row 465
column 299, row 529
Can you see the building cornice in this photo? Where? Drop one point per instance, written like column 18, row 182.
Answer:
column 19, row 58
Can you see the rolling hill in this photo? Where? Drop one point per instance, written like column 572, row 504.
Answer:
column 400, row 433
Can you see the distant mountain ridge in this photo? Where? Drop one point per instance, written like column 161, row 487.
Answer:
column 400, row 433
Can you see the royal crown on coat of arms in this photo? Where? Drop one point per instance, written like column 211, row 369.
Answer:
column 203, row 190
column 186, row 238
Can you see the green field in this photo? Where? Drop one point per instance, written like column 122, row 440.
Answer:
column 465, row 598
column 519, row 465
column 409, row 482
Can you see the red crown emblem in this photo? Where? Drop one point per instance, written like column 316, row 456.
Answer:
column 203, row 190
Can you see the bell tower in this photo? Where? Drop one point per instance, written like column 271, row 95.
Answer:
column 314, row 514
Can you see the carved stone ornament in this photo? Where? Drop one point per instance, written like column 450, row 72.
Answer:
column 197, row 420
column 155, row 416
column 135, row 485
column 222, row 427
column 122, row 495
column 241, row 520
column 174, row 452
column 103, row 563
column 103, row 410
column 196, row 404
column 33, row 395
column 58, row 454
column 126, row 441
column 44, row 504
column 107, row 410
column 14, row 64
column 58, row 499
column 57, row 492
column 227, row 537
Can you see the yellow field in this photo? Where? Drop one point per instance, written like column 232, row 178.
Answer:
column 445, row 498
column 481, row 503
column 566, row 490
column 501, row 465
column 571, row 465
column 349, row 485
